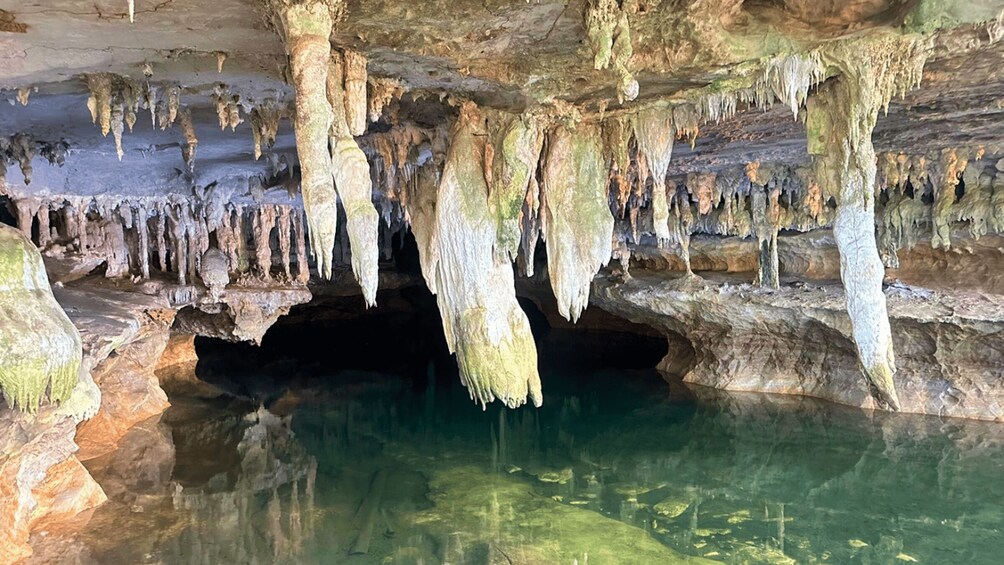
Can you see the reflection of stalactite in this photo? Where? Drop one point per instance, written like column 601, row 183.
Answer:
column 262, row 513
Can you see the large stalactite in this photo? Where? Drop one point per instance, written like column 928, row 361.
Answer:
column 482, row 320
column 841, row 117
column 306, row 27
column 579, row 227
column 351, row 174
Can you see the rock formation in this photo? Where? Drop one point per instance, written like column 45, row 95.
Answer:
column 41, row 349
column 736, row 159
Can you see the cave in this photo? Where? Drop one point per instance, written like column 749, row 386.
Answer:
column 501, row 281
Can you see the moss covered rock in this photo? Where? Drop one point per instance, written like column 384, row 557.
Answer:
column 40, row 349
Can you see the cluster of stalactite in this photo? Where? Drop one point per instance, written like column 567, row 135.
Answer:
column 609, row 32
column 143, row 237
column 20, row 148
column 331, row 108
column 473, row 282
column 933, row 194
column 115, row 101
column 757, row 200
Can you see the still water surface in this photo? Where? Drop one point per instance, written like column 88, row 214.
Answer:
column 617, row 467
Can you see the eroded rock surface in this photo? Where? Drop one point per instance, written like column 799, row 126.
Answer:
column 798, row 340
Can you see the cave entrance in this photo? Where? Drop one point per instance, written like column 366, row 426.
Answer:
column 336, row 335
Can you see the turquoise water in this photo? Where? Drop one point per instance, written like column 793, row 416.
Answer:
column 617, row 467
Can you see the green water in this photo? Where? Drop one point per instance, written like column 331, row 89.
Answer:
column 617, row 467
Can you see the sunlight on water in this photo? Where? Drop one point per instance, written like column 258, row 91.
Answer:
column 615, row 468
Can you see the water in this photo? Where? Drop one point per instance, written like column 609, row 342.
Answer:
column 617, row 467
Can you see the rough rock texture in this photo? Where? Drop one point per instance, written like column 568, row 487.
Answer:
column 245, row 315
column 45, row 482
column 131, row 392
column 798, row 341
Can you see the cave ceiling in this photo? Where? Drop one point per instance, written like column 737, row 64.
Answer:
column 510, row 55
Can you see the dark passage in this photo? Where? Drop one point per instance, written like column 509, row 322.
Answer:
column 404, row 337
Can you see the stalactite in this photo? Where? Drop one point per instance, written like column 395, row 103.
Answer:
column 422, row 219
column 100, row 100
column 226, row 238
column 764, row 197
column 191, row 145
column 220, row 97
column 351, row 175
column 283, row 229
column 221, row 58
column 173, row 104
column 114, row 249
column 44, row 228
column 22, row 149
column 264, row 219
column 654, row 132
column 26, row 208
column 948, row 172
column 579, row 227
column 130, row 93
column 161, row 243
column 132, row 10
column 840, row 121
column 483, row 322
column 179, row 255
column 265, row 125
column 302, row 262
column 356, row 104
column 703, row 187
column 382, row 91
column 617, row 132
column 201, row 238
column 975, row 207
column 520, row 141
column 55, row 153
column 687, row 122
column 306, row 28
column 150, row 102
column 240, row 228
column 681, row 225
column 81, row 222
column 143, row 233
column 118, row 117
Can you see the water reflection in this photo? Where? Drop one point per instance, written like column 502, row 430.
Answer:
column 366, row 468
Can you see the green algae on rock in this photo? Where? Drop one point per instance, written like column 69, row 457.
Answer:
column 40, row 349
column 499, row 510
column 578, row 227
column 482, row 320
